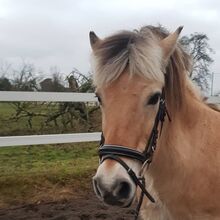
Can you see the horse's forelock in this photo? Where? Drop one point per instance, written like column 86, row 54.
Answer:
column 137, row 51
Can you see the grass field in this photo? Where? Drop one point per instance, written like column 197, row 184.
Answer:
column 12, row 127
column 32, row 174
column 48, row 172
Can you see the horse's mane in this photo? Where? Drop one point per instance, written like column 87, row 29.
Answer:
column 138, row 52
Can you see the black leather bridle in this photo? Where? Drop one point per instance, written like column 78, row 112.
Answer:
column 114, row 152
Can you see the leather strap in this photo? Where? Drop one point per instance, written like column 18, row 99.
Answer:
column 107, row 149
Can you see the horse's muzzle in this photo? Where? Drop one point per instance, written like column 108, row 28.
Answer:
column 117, row 194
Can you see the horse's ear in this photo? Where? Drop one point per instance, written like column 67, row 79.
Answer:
column 94, row 39
column 168, row 44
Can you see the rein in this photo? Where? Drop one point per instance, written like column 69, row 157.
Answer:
column 114, row 152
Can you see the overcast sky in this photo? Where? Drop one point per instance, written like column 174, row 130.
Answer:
column 52, row 33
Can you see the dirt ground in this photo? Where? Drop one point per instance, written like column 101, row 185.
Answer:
column 84, row 208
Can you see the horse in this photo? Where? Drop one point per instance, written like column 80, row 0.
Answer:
column 138, row 76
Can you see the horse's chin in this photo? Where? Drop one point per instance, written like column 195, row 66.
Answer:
column 119, row 203
column 126, row 204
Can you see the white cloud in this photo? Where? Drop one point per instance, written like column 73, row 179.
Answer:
column 55, row 33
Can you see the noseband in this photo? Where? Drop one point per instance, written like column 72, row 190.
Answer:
column 114, row 152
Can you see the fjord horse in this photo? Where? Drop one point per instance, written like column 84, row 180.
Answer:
column 132, row 71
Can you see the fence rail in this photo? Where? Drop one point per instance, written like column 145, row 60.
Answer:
column 46, row 97
column 54, row 97
column 11, row 96
column 48, row 139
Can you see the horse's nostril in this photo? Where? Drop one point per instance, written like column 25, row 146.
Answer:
column 123, row 190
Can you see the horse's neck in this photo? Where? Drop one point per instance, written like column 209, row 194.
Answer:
column 182, row 135
column 183, row 155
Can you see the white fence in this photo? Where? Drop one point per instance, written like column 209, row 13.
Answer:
column 54, row 97
column 46, row 97
column 52, row 138
column 48, row 139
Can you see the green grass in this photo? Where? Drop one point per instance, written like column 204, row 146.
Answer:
column 6, row 109
column 39, row 125
column 29, row 174
column 21, row 127
column 45, row 172
column 9, row 127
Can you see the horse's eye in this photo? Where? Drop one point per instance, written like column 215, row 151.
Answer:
column 99, row 99
column 154, row 99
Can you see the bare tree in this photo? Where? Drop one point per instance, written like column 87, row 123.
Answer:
column 5, row 69
column 198, row 47
column 25, row 79
column 81, row 81
column 62, row 115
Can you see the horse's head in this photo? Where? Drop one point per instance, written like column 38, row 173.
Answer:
column 129, row 78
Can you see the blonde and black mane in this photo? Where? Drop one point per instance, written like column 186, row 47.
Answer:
column 139, row 53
